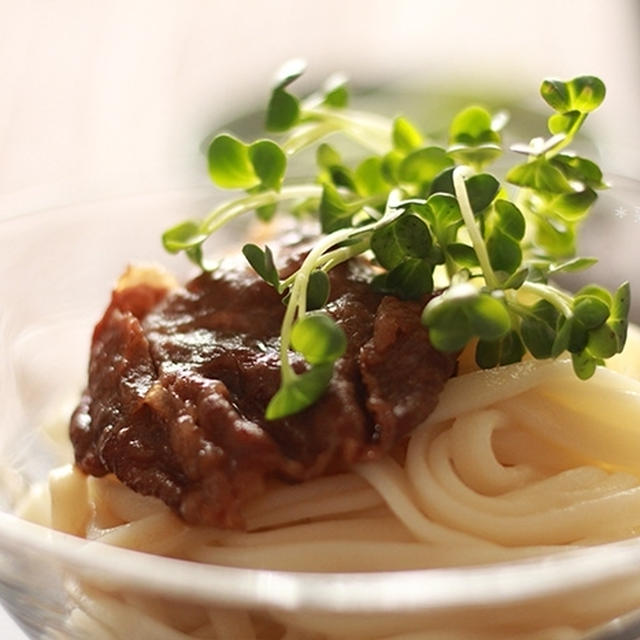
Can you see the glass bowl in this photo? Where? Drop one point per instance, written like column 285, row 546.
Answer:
column 58, row 266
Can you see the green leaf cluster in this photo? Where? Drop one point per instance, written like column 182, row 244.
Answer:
column 283, row 110
column 315, row 335
column 473, row 138
column 559, row 187
column 462, row 313
column 235, row 165
column 479, row 250
column 582, row 94
column 404, row 247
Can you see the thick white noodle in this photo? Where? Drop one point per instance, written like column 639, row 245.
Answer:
column 519, row 461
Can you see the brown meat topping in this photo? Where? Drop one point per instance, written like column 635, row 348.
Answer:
column 179, row 381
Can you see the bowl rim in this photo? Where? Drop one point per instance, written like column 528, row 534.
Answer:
column 417, row 590
column 406, row 591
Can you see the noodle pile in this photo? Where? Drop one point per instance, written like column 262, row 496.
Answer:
column 515, row 462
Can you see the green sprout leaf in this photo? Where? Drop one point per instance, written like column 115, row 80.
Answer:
column 318, row 338
column 505, row 253
column 335, row 213
column 443, row 182
column 582, row 94
column 473, row 125
column 573, row 265
column 411, row 279
column 229, row 163
column 336, row 94
column 602, row 342
column 517, row 279
column 327, row 156
column 556, row 94
column 503, row 241
column 591, row 311
column 463, row 255
column 407, row 236
column 262, row 263
column 571, row 206
column 562, row 340
column 369, row 177
column 449, row 326
column 510, row 219
column 489, row 317
column 342, row 177
column 332, row 169
column 587, row 93
column 476, row 155
column 405, row 136
column 505, row 350
column 443, row 212
column 390, row 166
column 596, row 291
column 580, row 169
column 540, row 175
column 303, row 391
column 235, row 165
column 269, row 163
column 461, row 313
column 182, row 236
column 584, row 364
column 266, row 212
column 196, row 255
column 539, row 328
column 556, row 237
column 318, row 289
column 472, row 139
column 578, row 336
column 423, row 165
column 283, row 110
column 481, row 188
column 618, row 321
column 563, row 123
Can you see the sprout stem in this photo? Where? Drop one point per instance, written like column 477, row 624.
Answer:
column 306, row 135
column 297, row 305
column 333, row 258
column 459, row 176
column 568, row 137
column 372, row 132
column 231, row 209
column 554, row 296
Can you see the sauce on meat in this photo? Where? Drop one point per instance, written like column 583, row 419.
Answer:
column 179, row 380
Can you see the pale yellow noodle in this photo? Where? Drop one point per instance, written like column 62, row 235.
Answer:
column 359, row 529
column 516, row 462
column 470, row 443
column 313, row 499
column 388, row 479
column 120, row 619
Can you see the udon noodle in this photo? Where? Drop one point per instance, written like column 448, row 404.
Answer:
column 520, row 461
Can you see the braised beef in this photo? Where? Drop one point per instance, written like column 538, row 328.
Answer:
column 179, row 381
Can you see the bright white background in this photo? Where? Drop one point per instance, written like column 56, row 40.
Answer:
column 107, row 96
column 110, row 95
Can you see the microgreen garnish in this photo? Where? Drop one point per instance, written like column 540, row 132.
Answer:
column 432, row 218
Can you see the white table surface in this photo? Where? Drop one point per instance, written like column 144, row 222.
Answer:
column 104, row 96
